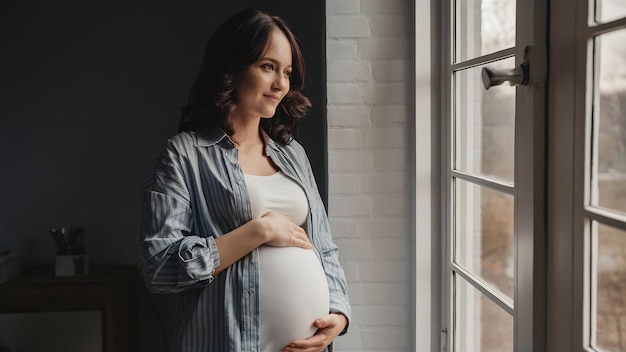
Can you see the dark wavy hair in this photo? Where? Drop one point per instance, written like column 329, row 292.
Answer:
column 239, row 42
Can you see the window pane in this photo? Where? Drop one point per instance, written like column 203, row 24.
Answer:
column 484, row 235
column 610, row 292
column 609, row 173
column 480, row 325
column 485, row 124
column 483, row 27
column 610, row 10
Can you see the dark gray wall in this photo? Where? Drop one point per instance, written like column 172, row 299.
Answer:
column 90, row 91
column 89, row 94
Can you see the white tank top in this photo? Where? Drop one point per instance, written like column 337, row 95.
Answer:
column 293, row 290
column 279, row 193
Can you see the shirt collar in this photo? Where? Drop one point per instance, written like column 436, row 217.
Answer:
column 212, row 136
column 269, row 143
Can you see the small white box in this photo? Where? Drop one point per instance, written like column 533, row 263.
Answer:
column 8, row 266
column 72, row 265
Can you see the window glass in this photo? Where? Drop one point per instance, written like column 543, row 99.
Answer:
column 480, row 324
column 609, row 148
column 485, row 124
column 609, row 10
column 484, row 235
column 610, row 288
column 483, row 27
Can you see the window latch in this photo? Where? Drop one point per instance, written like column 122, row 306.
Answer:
column 515, row 76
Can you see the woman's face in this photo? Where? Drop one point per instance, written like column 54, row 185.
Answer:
column 260, row 87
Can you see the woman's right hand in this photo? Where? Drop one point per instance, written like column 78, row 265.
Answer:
column 280, row 231
column 272, row 229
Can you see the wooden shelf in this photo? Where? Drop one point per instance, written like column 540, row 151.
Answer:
column 111, row 290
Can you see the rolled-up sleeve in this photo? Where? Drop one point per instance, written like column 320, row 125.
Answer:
column 174, row 259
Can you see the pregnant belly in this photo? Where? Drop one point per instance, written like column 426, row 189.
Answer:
column 293, row 292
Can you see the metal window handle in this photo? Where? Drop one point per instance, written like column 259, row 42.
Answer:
column 496, row 76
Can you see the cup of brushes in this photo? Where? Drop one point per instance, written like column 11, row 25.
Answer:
column 71, row 258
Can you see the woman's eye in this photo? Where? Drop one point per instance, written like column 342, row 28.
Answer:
column 269, row 67
column 288, row 73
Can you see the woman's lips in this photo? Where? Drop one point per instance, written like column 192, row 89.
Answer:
column 273, row 98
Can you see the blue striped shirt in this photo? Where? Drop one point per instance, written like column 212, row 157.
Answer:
column 197, row 192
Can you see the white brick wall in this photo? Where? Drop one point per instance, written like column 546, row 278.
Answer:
column 368, row 53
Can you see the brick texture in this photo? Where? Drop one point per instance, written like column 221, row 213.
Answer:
column 368, row 56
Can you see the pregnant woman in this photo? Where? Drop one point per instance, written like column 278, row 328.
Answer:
column 233, row 221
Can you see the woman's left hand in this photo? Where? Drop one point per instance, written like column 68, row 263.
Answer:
column 329, row 327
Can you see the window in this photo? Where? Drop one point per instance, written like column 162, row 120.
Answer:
column 605, row 176
column 493, row 175
column 534, row 176
column 586, row 177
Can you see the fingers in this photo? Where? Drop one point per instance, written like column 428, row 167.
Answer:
column 316, row 343
column 321, row 323
column 328, row 326
column 295, row 240
column 282, row 232
column 337, row 320
column 303, row 241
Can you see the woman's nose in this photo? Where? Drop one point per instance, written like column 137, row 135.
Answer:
column 281, row 82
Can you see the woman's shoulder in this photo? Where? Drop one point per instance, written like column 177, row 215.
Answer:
column 179, row 145
column 181, row 139
column 186, row 140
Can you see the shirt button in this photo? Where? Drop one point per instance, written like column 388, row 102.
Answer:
column 251, row 292
column 239, row 182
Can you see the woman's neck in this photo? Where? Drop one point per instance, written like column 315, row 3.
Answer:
column 246, row 132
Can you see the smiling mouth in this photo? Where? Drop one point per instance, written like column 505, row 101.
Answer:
column 273, row 98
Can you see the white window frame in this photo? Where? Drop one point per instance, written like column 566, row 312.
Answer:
column 565, row 301
column 565, row 254
column 426, row 201
column 529, row 314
